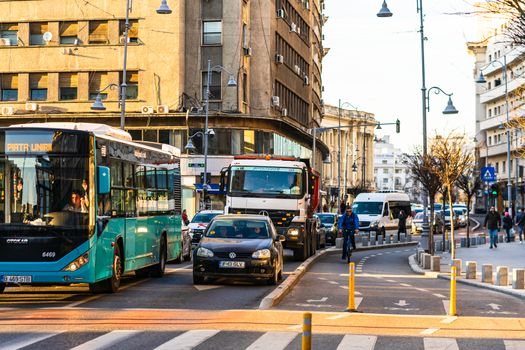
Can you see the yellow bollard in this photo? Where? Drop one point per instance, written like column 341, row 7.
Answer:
column 307, row 331
column 452, row 309
column 351, row 287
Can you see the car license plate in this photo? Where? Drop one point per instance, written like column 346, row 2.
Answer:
column 232, row 264
column 16, row 279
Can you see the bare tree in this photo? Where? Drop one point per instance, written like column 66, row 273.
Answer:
column 424, row 169
column 469, row 184
column 513, row 11
column 454, row 159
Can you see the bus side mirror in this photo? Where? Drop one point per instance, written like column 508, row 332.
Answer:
column 103, row 180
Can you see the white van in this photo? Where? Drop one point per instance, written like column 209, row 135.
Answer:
column 379, row 211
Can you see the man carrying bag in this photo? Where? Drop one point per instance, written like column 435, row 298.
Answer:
column 348, row 226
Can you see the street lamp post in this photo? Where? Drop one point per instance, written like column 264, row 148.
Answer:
column 98, row 106
column 481, row 79
column 341, row 106
column 385, row 12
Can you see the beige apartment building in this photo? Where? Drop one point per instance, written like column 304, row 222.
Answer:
column 357, row 153
column 56, row 56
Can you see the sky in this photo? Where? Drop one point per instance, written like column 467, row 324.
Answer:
column 375, row 64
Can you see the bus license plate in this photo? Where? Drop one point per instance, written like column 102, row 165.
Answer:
column 16, row 279
column 232, row 264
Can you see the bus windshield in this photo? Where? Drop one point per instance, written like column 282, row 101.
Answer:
column 255, row 181
column 368, row 208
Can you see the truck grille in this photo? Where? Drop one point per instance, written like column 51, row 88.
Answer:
column 280, row 218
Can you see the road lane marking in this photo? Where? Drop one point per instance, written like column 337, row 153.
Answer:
column 205, row 287
column 514, row 345
column 106, row 341
column 422, row 289
column 357, row 342
column 273, row 340
column 439, row 295
column 391, row 281
column 188, row 340
column 297, row 326
column 440, row 344
column 405, row 285
column 26, row 340
column 446, row 305
column 170, row 270
column 429, row 331
column 449, row 320
column 333, row 282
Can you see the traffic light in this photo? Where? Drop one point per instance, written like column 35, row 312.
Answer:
column 494, row 190
column 398, row 126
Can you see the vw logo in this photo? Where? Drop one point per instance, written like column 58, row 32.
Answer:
column 232, row 255
column 264, row 212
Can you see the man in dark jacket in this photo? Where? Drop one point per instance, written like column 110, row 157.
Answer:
column 348, row 226
column 520, row 223
column 493, row 223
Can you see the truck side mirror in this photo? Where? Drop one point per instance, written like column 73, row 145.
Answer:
column 103, row 180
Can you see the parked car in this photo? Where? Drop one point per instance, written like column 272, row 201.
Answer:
column 321, row 234
column 199, row 223
column 461, row 213
column 239, row 246
column 417, row 223
column 455, row 218
column 329, row 226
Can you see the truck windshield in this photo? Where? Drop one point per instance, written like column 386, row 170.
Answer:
column 254, row 181
column 368, row 208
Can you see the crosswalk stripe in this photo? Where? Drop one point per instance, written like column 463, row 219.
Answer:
column 514, row 345
column 188, row 340
column 106, row 340
column 440, row 344
column 357, row 342
column 26, row 340
column 273, row 340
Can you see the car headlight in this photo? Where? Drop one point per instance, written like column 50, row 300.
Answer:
column 78, row 263
column 190, row 233
column 204, row 253
column 293, row 232
column 262, row 254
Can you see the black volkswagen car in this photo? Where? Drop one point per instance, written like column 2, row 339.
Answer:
column 241, row 247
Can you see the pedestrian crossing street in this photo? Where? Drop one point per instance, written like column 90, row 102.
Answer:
column 214, row 339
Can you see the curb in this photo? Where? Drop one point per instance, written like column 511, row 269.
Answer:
column 278, row 294
column 505, row 290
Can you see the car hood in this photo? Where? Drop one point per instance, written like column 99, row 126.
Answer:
column 327, row 225
column 198, row 225
column 237, row 245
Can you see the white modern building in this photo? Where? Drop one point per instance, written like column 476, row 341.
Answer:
column 390, row 172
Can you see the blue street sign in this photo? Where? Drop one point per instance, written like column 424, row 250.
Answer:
column 488, row 173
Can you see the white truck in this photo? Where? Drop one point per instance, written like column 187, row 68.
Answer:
column 284, row 188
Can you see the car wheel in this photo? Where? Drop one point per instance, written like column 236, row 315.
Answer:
column 112, row 284
column 198, row 279
column 187, row 247
column 2, row 287
column 159, row 269
column 272, row 281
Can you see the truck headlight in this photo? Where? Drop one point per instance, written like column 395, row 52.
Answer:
column 78, row 263
column 262, row 254
column 293, row 232
column 204, row 253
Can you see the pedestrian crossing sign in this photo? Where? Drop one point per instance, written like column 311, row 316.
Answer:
column 488, row 174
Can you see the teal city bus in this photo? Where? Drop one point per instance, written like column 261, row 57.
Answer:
column 83, row 203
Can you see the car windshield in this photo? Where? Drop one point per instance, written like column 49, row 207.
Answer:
column 203, row 217
column 374, row 208
column 326, row 219
column 238, row 229
column 419, row 216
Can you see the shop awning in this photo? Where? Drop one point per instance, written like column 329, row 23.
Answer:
column 213, row 189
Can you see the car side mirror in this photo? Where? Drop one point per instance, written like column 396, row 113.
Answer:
column 280, row 238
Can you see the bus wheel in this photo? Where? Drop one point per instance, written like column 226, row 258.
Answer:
column 112, row 284
column 2, row 287
column 158, row 270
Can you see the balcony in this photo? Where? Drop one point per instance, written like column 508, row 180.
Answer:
column 499, row 92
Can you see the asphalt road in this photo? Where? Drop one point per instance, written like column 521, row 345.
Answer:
column 174, row 291
column 386, row 285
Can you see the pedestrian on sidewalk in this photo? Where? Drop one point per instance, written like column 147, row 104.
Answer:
column 402, row 224
column 349, row 227
column 493, row 223
column 520, row 224
column 507, row 225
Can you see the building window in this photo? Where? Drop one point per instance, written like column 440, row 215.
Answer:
column 504, row 166
column 133, row 31
column 245, row 88
column 69, row 33
column 132, row 82
column 98, row 32
column 8, row 34
column 38, row 87
column 36, row 33
column 97, row 82
column 215, row 85
column 68, row 84
column 385, row 180
column 384, row 161
column 211, row 33
column 497, row 167
column 9, row 87
column 385, row 171
column 490, row 140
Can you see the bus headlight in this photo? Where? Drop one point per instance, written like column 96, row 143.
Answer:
column 293, row 232
column 78, row 263
column 204, row 253
column 262, row 254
